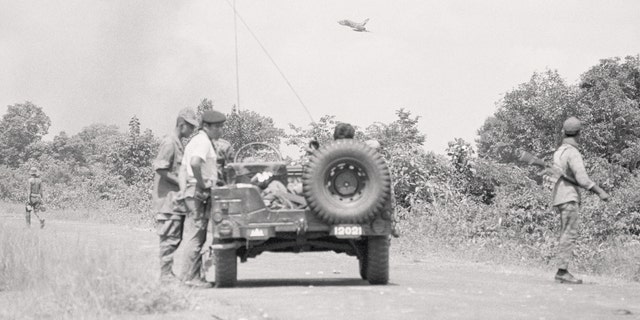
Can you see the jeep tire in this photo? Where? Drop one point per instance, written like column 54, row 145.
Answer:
column 226, row 268
column 362, row 263
column 346, row 181
column 377, row 266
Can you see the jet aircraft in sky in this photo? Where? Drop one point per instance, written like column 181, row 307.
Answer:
column 359, row 27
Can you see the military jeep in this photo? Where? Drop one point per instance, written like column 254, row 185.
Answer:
column 339, row 201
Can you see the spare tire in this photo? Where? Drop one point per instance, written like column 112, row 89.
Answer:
column 346, row 181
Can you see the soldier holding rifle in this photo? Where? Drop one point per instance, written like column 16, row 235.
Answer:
column 566, row 195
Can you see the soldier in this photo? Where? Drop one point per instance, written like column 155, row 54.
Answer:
column 343, row 131
column 198, row 175
column 34, row 197
column 566, row 196
column 225, row 153
column 169, row 222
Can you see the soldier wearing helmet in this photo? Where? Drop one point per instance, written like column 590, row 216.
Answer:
column 34, row 197
column 566, row 195
column 169, row 222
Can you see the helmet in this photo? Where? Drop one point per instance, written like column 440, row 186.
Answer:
column 33, row 171
column 571, row 126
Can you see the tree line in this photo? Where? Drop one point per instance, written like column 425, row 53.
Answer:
column 101, row 162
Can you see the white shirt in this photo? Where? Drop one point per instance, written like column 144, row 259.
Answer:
column 201, row 147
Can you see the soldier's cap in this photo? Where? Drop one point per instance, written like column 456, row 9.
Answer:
column 212, row 116
column 188, row 115
column 33, row 170
column 571, row 126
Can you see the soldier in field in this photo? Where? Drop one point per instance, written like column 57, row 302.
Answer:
column 34, row 197
column 169, row 221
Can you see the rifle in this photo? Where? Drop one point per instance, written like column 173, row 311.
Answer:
column 509, row 153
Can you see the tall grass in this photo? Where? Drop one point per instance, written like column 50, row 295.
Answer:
column 473, row 231
column 46, row 275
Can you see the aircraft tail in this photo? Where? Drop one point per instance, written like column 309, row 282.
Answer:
column 365, row 21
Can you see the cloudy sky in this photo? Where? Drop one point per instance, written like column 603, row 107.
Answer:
column 449, row 62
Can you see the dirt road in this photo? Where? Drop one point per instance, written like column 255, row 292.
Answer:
column 327, row 286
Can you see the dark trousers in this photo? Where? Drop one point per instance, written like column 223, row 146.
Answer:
column 195, row 234
column 170, row 234
column 569, row 217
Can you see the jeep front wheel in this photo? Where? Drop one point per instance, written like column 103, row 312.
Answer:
column 378, row 260
column 226, row 268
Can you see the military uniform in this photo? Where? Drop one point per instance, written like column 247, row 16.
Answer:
column 34, row 197
column 225, row 154
column 169, row 223
column 169, row 219
column 566, row 196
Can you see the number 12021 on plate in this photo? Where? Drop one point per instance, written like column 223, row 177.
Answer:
column 347, row 231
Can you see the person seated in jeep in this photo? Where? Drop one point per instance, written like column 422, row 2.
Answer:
column 342, row 131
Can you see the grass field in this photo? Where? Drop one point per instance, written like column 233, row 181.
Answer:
column 48, row 275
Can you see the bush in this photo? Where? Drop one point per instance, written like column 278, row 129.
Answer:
column 418, row 176
column 67, row 186
column 521, row 226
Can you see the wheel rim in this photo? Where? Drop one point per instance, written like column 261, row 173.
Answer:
column 346, row 180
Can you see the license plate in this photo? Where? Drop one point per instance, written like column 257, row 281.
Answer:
column 347, row 231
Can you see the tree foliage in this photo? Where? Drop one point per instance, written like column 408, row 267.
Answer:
column 530, row 116
column 401, row 131
column 132, row 156
column 610, row 108
column 245, row 126
column 96, row 142
column 205, row 104
column 607, row 101
column 22, row 125
column 321, row 131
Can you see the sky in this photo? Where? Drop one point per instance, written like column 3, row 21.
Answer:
column 448, row 62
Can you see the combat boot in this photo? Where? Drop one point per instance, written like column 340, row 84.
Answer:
column 567, row 278
column 198, row 283
column 169, row 279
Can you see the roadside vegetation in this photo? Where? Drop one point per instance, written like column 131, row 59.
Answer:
column 469, row 201
column 50, row 276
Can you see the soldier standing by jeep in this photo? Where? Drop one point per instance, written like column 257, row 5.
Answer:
column 34, row 197
column 198, row 175
column 566, row 195
column 224, row 152
column 169, row 223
